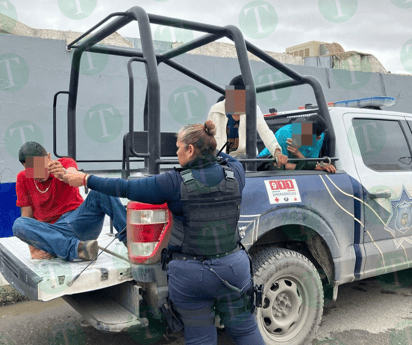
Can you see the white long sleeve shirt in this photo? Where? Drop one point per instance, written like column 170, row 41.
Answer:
column 217, row 114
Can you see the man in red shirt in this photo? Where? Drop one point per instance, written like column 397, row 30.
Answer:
column 55, row 221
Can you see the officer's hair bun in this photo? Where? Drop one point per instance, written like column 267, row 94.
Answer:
column 210, row 128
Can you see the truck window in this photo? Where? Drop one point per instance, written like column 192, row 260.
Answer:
column 382, row 144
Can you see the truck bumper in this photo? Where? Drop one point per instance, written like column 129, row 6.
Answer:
column 115, row 309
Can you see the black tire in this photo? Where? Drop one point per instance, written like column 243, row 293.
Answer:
column 292, row 299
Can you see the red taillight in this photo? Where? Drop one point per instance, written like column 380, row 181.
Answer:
column 148, row 231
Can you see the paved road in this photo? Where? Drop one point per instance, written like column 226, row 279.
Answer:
column 374, row 311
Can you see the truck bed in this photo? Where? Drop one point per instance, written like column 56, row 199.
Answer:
column 44, row 280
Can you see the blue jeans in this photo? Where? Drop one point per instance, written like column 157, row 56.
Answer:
column 85, row 223
column 195, row 291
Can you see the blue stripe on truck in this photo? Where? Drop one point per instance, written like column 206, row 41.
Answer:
column 357, row 233
column 9, row 212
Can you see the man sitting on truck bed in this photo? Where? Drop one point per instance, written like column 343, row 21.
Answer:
column 55, row 221
column 302, row 139
column 230, row 121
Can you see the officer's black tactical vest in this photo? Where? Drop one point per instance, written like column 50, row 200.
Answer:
column 210, row 216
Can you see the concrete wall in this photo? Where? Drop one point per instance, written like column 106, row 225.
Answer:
column 32, row 70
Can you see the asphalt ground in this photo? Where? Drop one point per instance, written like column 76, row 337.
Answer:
column 374, row 311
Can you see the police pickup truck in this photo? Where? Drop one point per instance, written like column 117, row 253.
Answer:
column 307, row 231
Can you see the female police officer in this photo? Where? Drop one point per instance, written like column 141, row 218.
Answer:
column 207, row 271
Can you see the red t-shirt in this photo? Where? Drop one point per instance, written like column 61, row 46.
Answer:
column 59, row 199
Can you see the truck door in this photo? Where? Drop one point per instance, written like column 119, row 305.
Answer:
column 381, row 149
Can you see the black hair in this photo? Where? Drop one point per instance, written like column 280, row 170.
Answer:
column 318, row 123
column 31, row 149
column 237, row 81
column 220, row 99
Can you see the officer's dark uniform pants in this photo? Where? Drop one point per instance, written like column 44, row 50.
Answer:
column 195, row 290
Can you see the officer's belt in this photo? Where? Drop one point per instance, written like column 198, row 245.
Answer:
column 183, row 256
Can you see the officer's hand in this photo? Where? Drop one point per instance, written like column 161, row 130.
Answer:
column 280, row 158
column 75, row 179
column 57, row 169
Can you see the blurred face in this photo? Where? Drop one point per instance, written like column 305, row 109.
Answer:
column 184, row 154
column 36, row 167
column 235, row 102
column 302, row 134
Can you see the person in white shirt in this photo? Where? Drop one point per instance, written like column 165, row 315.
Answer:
column 230, row 123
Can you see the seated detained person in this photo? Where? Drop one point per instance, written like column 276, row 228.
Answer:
column 55, row 221
column 230, row 120
column 302, row 139
column 204, row 198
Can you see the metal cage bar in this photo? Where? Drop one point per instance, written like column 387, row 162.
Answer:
column 153, row 90
column 194, row 76
column 131, row 107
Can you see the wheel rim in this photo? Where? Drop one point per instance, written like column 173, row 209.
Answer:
column 284, row 310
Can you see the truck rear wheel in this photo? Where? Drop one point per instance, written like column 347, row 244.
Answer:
column 292, row 299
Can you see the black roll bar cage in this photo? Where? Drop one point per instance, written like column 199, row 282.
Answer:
column 152, row 59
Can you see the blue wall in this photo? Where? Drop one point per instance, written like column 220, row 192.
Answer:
column 8, row 209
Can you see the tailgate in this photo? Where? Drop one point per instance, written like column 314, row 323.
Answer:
column 44, row 280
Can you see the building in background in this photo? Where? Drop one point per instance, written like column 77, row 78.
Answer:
column 332, row 55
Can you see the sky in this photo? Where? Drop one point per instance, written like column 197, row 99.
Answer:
column 379, row 27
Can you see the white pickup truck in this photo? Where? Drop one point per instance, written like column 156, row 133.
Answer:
column 347, row 226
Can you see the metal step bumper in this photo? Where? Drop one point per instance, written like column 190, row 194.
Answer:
column 114, row 309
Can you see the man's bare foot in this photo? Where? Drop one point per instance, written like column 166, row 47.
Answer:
column 39, row 254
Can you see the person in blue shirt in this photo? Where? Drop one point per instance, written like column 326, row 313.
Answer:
column 204, row 198
column 302, row 140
